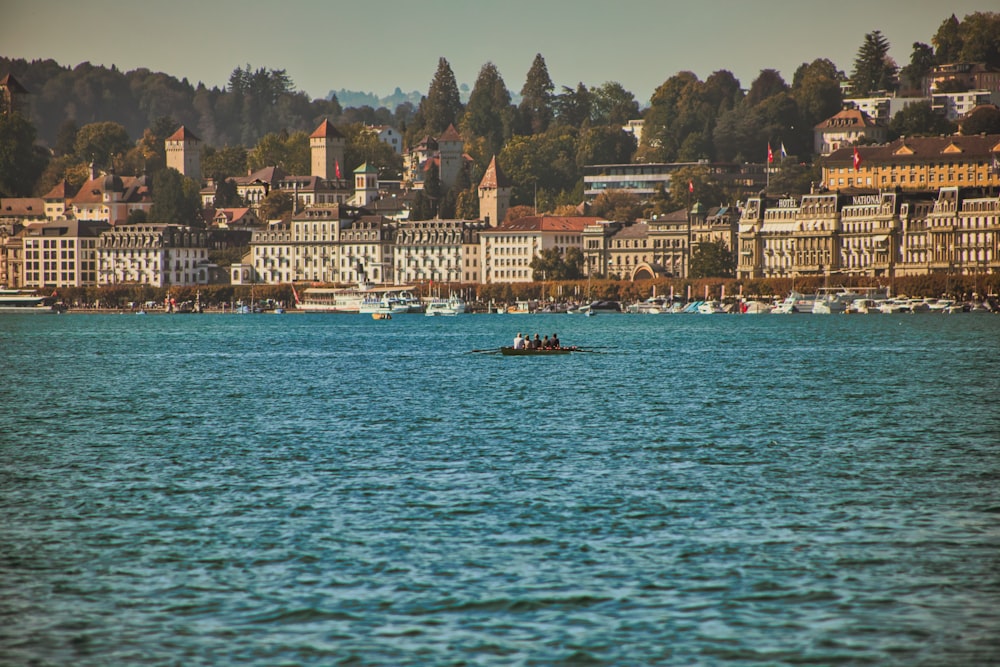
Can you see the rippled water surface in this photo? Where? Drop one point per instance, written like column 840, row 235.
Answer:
column 323, row 489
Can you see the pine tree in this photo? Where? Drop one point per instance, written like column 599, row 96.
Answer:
column 443, row 105
column 489, row 113
column 536, row 98
column 873, row 69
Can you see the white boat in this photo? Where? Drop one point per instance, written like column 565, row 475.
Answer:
column 795, row 302
column 387, row 304
column 453, row 305
column 893, row 306
column 835, row 300
column 711, row 308
column 343, row 300
column 755, row 308
column 18, row 301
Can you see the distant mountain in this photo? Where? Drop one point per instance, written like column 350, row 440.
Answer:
column 357, row 99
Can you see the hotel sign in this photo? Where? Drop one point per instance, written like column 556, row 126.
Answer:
column 867, row 200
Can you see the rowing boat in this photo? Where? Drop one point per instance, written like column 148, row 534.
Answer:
column 527, row 352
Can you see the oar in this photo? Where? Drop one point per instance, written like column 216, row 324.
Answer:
column 492, row 351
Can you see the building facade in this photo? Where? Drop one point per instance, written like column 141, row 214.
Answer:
column 506, row 251
column 155, row 254
column 439, row 251
column 60, row 253
column 846, row 129
column 916, row 164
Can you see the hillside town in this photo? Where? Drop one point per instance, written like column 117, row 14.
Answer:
column 880, row 208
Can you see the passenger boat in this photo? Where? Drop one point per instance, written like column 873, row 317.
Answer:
column 387, row 304
column 343, row 300
column 530, row 352
column 18, row 301
column 453, row 305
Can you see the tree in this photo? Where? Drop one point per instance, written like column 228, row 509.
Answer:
column 364, row 146
column 66, row 137
column 535, row 110
column 980, row 33
column 226, row 194
column 550, row 264
column 767, row 84
column 101, row 142
column 573, row 107
column 617, row 205
column 794, row 178
column 225, row 162
column 20, row 164
column 919, row 119
column 176, row 199
column 982, row 120
column 611, row 104
column 604, row 144
column 693, row 185
column 873, row 69
column 276, row 204
column 712, row 259
column 288, row 151
column 443, row 105
column 816, row 89
column 911, row 77
column 947, row 41
column 489, row 115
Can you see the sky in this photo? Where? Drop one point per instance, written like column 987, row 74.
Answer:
column 326, row 45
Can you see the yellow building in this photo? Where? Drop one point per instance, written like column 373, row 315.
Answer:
column 916, row 164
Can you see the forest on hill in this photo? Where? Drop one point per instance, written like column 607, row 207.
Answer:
column 543, row 140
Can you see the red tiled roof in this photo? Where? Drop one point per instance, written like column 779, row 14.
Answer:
column 846, row 119
column 183, row 134
column 451, row 134
column 22, row 207
column 494, row 177
column 326, row 130
column 62, row 190
column 546, row 223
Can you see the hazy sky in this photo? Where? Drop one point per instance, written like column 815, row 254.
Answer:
column 326, row 45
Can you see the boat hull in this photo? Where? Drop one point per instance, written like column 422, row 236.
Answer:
column 511, row 352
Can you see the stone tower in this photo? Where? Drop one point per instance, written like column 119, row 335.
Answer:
column 450, row 155
column 184, row 153
column 365, row 185
column 494, row 195
column 327, row 147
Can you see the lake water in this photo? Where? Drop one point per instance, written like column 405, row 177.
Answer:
column 330, row 489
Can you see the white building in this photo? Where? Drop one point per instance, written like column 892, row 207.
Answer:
column 442, row 251
column 507, row 250
column 156, row 254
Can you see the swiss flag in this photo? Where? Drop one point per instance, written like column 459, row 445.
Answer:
column 857, row 158
column 770, row 153
column 336, row 167
column 690, row 186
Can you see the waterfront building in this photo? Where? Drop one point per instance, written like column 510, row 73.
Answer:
column 184, row 151
column 887, row 234
column 846, row 128
column 270, row 259
column 507, row 250
column 916, row 164
column 11, row 255
column 60, row 253
column 157, row 254
column 366, row 250
column 438, row 251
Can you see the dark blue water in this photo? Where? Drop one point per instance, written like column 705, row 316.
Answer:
column 330, row 489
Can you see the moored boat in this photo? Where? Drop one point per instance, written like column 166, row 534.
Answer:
column 19, row 301
column 453, row 305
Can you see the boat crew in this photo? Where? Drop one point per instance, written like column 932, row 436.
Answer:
column 554, row 341
column 518, row 342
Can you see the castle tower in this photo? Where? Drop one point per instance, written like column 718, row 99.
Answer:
column 184, row 153
column 450, row 155
column 494, row 195
column 365, row 185
column 326, row 145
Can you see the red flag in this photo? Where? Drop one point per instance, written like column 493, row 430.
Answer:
column 336, row 167
column 295, row 294
column 690, row 186
column 857, row 158
column 770, row 153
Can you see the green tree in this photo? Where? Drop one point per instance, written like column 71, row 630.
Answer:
column 767, row 84
column 225, row 162
column 694, row 185
column 101, row 142
column 66, row 138
column 982, row 120
column 794, row 178
column 712, row 259
column 226, row 194
column 911, row 77
column 981, row 38
column 816, row 89
column 20, row 163
column 660, row 137
column 364, row 146
column 947, row 41
column 550, row 264
column 443, row 105
column 535, row 110
column 276, row 205
column 604, row 144
column 617, row 205
column 489, row 115
column 918, row 119
column 288, row 151
column 611, row 104
column 573, row 107
column 873, row 69
column 176, row 199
